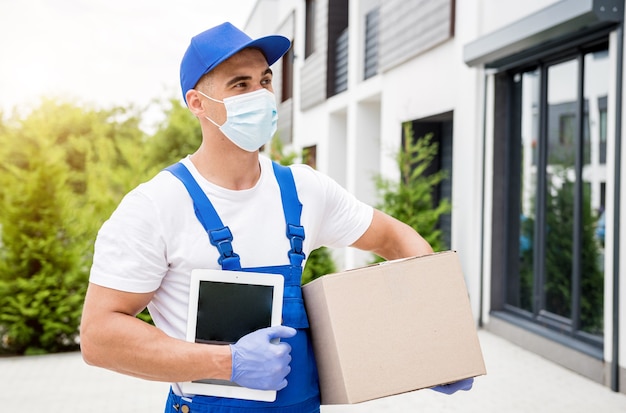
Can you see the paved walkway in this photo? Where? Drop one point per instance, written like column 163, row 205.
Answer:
column 516, row 381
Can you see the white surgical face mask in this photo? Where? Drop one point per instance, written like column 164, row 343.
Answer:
column 251, row 118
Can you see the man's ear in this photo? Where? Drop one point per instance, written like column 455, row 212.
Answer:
column 194, row 103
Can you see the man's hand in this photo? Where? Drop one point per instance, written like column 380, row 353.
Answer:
column 260, row 364
column 451, row 388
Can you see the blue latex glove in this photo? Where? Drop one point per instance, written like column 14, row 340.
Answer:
column 451, row 388
column 260, row 364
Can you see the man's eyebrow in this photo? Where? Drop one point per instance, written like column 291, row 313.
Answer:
column 238, row 79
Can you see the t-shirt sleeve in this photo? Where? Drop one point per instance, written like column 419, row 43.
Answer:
column 339, row 218
column 129, row 252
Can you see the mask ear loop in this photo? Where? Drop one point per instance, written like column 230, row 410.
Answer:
column 209, row 97
column 214, row 100
column 212, row 121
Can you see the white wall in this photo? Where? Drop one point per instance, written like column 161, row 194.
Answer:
column 495, row 14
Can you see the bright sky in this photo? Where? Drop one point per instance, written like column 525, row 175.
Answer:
column 102, row 52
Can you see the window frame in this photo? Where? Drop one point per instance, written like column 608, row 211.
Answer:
column 506, row 241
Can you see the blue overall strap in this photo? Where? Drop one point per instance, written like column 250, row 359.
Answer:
column 292, row 209
column 219, row 235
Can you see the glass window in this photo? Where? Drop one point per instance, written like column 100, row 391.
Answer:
column 595, row 89
column 556, row 194
column 522, row 292
column 560, row 183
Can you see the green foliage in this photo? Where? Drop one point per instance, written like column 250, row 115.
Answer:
column 559, row 258
column 62, row 171
column 145, row 316
column 557, row 287
column 41, row 313
column 410, row 199
column 277, row 152
column 38, row 233
column 320, row 262
column 178, row 136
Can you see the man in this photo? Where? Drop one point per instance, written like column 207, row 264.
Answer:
column 145, row 252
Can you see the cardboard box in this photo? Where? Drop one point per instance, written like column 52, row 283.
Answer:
column 391, row 328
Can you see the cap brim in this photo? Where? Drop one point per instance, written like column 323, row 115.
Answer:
column 273, row 47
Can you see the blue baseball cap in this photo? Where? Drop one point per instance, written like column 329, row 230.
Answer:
column 210, row 48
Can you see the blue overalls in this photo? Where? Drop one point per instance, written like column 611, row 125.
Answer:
column 302, row 391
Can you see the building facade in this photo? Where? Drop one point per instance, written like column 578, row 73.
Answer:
column 524, row 100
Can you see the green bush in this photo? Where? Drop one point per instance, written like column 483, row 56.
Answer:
column 177, row 136
column 42, row 279
column 559, row 259
column 410, row 199
column 62, row 171
column 320, row 262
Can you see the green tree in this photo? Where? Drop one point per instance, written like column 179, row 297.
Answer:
column 41, row 282
column 410, row 199
column 62, row 170
column 178, row 136
column 557, row 287
column 559, row 256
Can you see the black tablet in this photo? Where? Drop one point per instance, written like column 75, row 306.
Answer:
column 225, row 306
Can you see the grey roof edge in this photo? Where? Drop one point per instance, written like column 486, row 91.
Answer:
column 556, row 20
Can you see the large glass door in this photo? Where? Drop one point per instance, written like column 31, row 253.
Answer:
column 557, row 176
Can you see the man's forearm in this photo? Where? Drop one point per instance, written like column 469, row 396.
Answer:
column 130, row 346
column 392, row 239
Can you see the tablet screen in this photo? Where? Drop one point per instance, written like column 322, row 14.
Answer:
column 225, row 306
column 228, row 311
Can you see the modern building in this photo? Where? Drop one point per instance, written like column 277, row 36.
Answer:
column 525, row 102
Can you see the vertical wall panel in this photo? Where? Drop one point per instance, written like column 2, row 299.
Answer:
column 372, row 23
column 408, row 28
column 313, row 74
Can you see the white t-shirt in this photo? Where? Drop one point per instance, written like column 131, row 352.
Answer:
column 153, row 239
